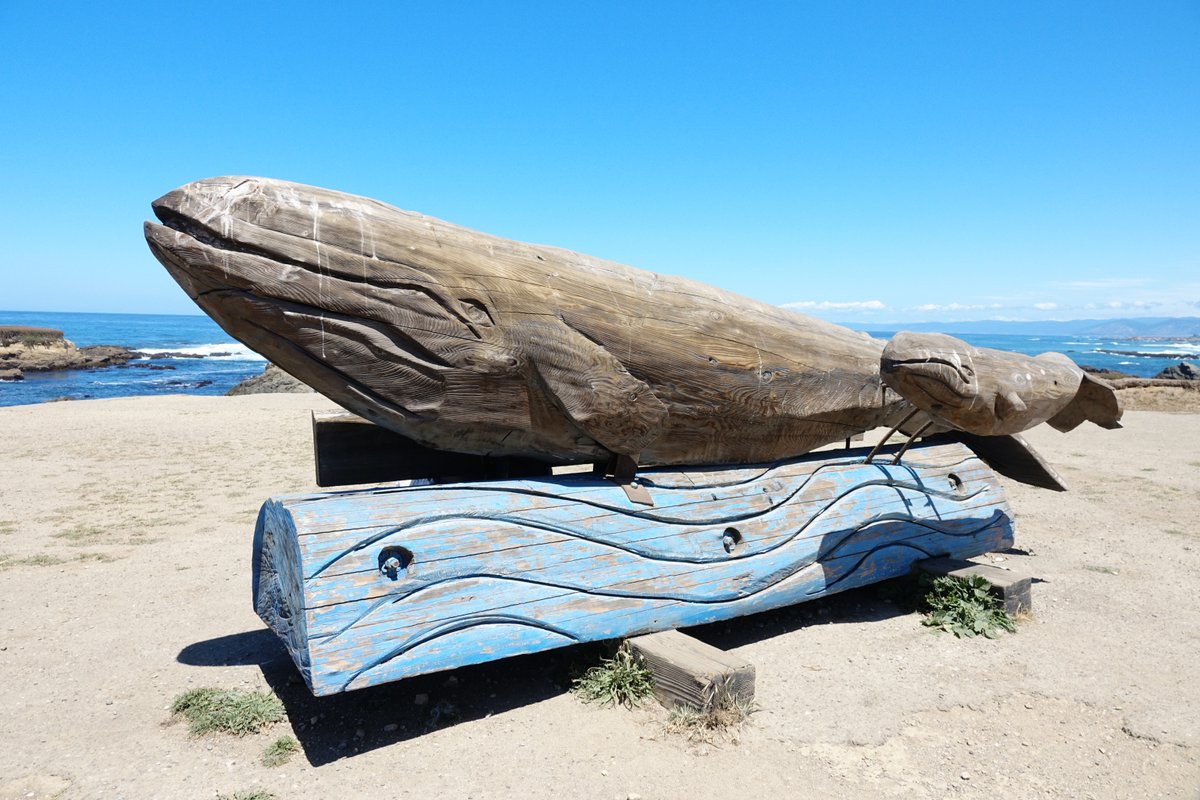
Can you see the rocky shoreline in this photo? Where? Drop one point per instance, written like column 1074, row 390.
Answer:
column 273, row 380
column 25, row 349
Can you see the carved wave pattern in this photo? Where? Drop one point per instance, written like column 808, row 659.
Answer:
column 557, row 582
column 690, row 511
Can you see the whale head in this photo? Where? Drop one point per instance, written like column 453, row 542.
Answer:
column 991, row 392
column 311, row 279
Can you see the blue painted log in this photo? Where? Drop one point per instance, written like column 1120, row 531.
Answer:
column 370, row 586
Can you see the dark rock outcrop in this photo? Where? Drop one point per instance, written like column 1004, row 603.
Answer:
column 272, row 380
column 1105, row 374
column 1182, row 371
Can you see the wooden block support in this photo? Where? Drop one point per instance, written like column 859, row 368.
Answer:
column 349, row 450
column 688, row 672
column 1013, row 589
column 374, row 585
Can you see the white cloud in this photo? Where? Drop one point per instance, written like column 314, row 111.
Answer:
column 1045, row 306
column 826, row 305
column 1102, row 283
column 954, row 307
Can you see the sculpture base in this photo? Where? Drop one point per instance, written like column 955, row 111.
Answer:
column 371, row 586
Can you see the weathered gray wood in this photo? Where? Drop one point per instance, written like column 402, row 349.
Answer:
column 688, row 672
column 991, row 392
column 350, row 450
column 1012, row 588
column 476, row 344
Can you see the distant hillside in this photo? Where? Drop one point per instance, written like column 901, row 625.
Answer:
column 1121, row 328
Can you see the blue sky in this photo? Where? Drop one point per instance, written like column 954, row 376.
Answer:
column 876, row 161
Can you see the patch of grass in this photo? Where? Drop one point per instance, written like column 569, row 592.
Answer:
column 234, row 711
column 965, row 607
column 620, row 680
column 80, row 535
column 38, row 560
column 1100, row 569
column 47, row 560
column 722, row 720
column 257, row 794
column 279, row 751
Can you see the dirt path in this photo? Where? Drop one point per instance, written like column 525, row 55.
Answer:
column 125, row 531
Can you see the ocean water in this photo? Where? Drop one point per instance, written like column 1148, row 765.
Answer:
column 227, row 361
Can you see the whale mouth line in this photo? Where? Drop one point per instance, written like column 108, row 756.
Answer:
column 938, row 367
column 188, row 226
column 942, row 381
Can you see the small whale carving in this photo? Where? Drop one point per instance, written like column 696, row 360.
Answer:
column 473, row 343
column 991, row 392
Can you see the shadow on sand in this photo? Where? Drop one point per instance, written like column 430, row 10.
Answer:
column 345, row 725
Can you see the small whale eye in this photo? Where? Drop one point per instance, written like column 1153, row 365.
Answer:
column 476, row 311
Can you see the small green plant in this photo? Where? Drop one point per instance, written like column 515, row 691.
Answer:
column 965, row 607
column 234, row 711
column 620, row 680
column 279, row 751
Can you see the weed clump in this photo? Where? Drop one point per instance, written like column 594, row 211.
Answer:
column 722, row 719
column 621, row 680
column 279, row 751
column 233, row 711
column 965, row 607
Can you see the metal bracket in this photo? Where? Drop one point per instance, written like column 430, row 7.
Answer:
column 622, row 470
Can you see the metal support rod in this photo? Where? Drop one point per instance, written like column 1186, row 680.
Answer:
column 889, row 435
column 911, row 439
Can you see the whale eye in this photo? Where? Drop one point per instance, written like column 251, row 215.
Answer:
column 477, row 312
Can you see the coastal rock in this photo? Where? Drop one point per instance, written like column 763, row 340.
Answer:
column 273, row 380
column 1105, row 374
column 45, row 350
column 11, row 374
column 1182, row 371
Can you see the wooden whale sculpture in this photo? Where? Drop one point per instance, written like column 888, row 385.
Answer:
column 991, row 392
column 473, row 343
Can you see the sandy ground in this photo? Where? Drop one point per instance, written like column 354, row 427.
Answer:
column 125, row 532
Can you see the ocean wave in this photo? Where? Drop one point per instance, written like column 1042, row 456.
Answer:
column 1185, row 351
column 223, row 351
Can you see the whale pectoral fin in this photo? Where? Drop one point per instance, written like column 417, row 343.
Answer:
column 1096, row 401
column 1011, row 456
column 596, row 392
column 1008, row 405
